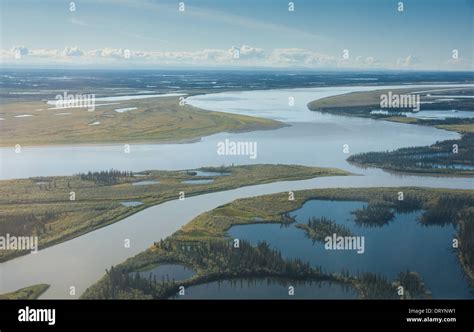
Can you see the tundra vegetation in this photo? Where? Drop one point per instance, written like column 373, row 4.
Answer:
column 59, row 208
column 154, row 120
column 204, row 246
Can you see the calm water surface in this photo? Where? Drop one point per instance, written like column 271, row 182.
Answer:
column 403, row 244
column 267, row 289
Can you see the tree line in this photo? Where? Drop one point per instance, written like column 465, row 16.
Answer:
column 109, row 177
column 439, row 157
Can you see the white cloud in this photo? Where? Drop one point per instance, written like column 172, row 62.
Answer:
column 114, row 53
column 21, row 50
column 45, row 53
column 249, row 56
column 249, row 52
column 369, row 61
column 205, row 56
column 299, row 57
column 409, row 61
column 72, row 51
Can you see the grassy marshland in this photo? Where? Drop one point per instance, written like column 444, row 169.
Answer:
column 155, row 120
column 42, row 206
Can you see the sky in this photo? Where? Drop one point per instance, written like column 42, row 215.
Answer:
column 317, row 34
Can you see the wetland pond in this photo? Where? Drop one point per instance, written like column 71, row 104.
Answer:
column 402, row 244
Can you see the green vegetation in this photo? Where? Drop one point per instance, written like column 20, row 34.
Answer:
column 106, row 177
column 318, row 229
column 374, row 215
column 372, row 286
column 204, row 246
column 362, row 103
column 27, row 293
column 460, row 128
column 438, row 158
column 445, row 209
column 413, row 286
column 214, row 260
column 155, row 120
column 43, row 207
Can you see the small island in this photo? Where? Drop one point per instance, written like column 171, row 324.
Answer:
column 318, row 229
column 26, row 293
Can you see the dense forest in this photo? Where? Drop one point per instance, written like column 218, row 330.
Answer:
column 220, row 259
column 445, row 210
column 409, row 203
column 442, row 210
column 375, row 286
column 374, row 214
column 219, row 169
column 317, row 229
column 106, row 177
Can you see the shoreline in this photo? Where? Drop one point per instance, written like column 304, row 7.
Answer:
column 149, row 142
column 411, row 173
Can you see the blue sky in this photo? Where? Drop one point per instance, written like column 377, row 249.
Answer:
column 153, row 33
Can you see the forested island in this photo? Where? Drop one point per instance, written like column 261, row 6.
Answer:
column 318, row 229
